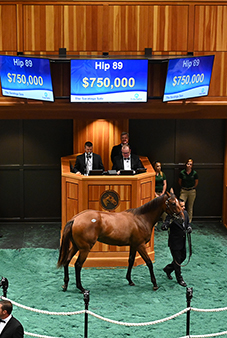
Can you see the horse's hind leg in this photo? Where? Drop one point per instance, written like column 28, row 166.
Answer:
column 66, row 277
column 143, row 253
column 72, row 252
column 78, row 266
column 131, row 261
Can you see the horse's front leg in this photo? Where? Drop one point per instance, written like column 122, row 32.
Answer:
column 131, row 261
column 143, row 253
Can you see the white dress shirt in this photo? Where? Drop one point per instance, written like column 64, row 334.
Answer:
column 127, row 163
column 88, row 161
column 2, row 325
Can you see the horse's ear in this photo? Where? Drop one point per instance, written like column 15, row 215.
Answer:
column 171, row 191
column 168, row 194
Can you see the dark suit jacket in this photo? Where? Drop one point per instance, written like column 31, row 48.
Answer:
column 80, row 164
column 177, row 232
column 116, row 151
column 13, row 329
column 118, row 162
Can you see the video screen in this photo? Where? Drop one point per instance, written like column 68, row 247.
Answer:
column 109, row 80
column 26, row 77
column 188, row 77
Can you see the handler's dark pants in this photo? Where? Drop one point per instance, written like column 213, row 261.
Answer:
column 178, row 257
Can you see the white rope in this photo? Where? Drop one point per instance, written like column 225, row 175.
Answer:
column 37, row 335
column 45, row 312
column 138, row 324
column 209, row 310
column 206, row 335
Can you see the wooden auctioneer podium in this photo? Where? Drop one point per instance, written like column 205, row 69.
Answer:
column 105, row 192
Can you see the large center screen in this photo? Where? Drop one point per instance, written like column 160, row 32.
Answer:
column 188, row 77
column 28, row 78
column 109, row 80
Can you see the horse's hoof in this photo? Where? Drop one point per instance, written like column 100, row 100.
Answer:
column 132, row 284
column 155, row 288
column 64, row 288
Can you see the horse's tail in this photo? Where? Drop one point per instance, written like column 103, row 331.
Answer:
column 65, row 244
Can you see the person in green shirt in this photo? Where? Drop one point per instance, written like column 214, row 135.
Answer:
column 160, row 184
column 188, row 181
column 160, row 179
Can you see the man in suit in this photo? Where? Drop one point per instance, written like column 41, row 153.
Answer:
column 10, row 327
column 177, row 243
column 87, row 161
column 126, row 161
column 116, row 150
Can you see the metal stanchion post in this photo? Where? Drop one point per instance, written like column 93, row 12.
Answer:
column 4, row 284
column 189, row 296
column 86, row 301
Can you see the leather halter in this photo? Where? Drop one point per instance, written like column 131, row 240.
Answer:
column 175, row 215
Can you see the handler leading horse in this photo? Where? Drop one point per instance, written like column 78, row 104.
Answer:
column 132, row 227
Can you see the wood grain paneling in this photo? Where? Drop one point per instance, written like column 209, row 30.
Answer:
column 72, row 191
column 163, row 28
column 94, row 192
column 83, row 27
column 124, row 191
column 43, row 28
column 8, row 28
column 72, row 208
column 210, row 28
column 146, row 190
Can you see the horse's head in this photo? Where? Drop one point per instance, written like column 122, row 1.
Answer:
column 173, row 208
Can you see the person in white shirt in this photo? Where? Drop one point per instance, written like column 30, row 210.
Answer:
column 87, row 161
column 126, row 161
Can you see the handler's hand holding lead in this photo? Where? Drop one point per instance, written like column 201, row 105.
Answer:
column 189, row 230
column 164, row 227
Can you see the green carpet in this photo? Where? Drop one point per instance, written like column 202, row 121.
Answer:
column 35, row 281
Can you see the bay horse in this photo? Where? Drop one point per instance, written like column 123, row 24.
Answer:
column 132, row 227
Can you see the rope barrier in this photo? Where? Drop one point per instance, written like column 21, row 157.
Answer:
column 139, row 324
column 37, row 335
column 122, row 323
column 43, row 311
column 209, row 310
column 206, row 335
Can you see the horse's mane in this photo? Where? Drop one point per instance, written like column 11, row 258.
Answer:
column 147, row 207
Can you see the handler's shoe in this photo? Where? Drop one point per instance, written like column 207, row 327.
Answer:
column 168, row 274
column 181, row 282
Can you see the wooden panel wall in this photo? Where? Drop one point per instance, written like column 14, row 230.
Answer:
column 8, row 28
column 134, row 27
column 42, row 28
column 120, row 28
column 210, row 26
